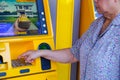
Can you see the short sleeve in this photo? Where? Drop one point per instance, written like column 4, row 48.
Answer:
column 76, row 47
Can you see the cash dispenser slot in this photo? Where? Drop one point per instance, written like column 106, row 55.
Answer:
column 16, row 49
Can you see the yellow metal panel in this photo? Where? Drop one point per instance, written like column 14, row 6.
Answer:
column 41, row 76
column 64, row 28
column 2, row 46
column 64, row 25
column 48, row 17
column 86, row 15
column 16, row 48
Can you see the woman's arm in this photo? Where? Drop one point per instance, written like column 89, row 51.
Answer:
column 63, row 56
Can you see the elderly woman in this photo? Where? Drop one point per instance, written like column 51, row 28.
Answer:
column 97, row 50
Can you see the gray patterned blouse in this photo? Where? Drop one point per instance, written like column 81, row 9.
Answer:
column 99, row 55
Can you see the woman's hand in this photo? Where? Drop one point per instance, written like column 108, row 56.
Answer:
column 29, row 56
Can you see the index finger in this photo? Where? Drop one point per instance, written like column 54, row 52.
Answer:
column 23, row 55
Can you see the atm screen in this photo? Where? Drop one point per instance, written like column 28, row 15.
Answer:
column 21, row 18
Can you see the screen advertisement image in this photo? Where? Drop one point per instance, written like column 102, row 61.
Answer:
column 18, row 18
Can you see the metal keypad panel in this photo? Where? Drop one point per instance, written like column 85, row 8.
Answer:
column 19, row 62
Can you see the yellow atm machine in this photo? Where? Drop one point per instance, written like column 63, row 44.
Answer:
column 34, row 31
